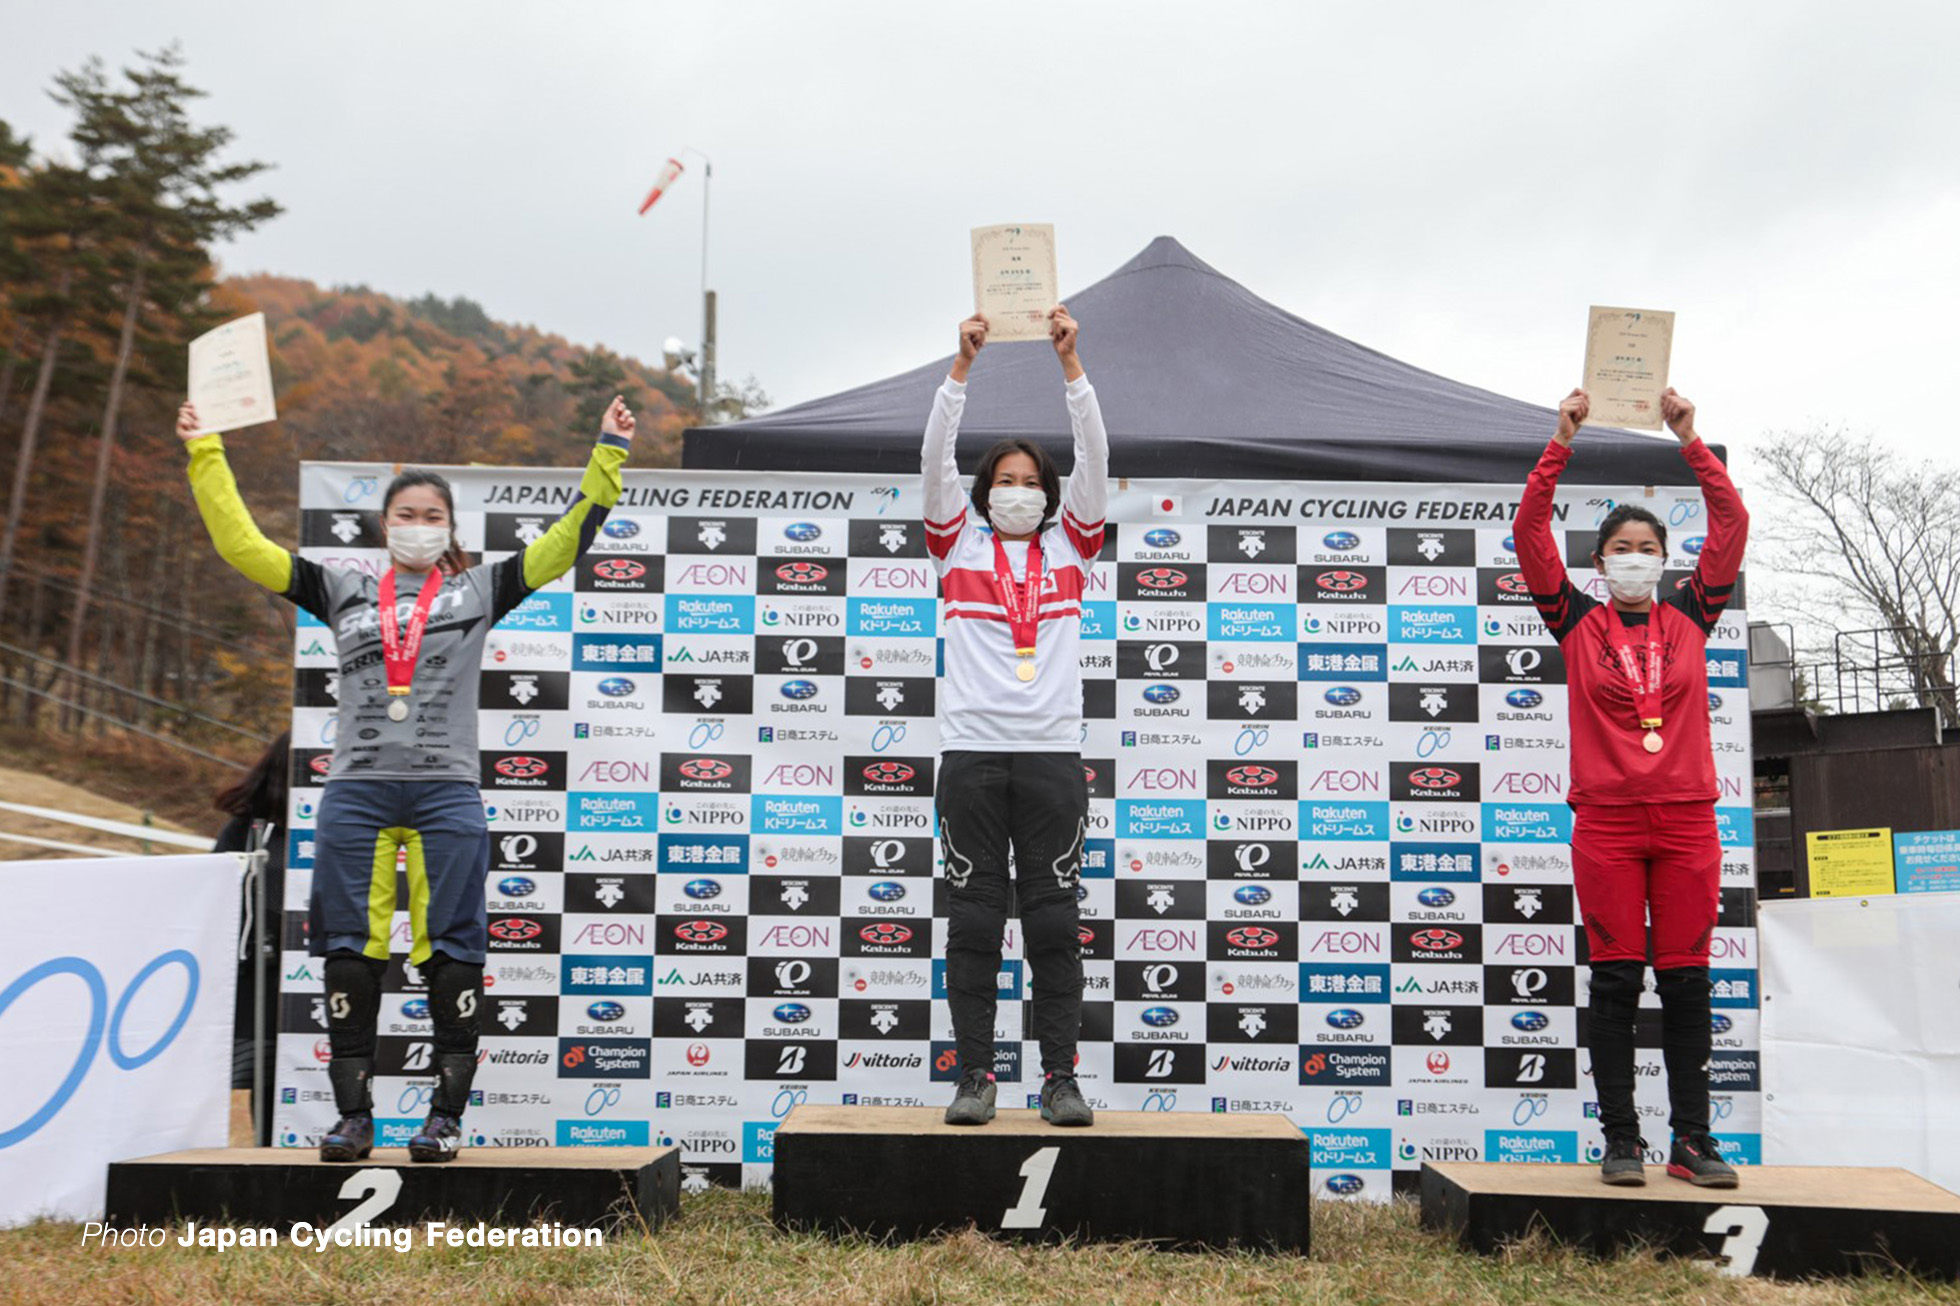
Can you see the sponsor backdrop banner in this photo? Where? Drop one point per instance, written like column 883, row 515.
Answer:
column 115, row 1022
column 1326, row 872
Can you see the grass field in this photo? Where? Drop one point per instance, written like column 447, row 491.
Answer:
column 723, row 1250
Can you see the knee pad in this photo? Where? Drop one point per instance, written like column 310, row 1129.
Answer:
column 1050, row 925
column 974, row 925
column 1683, row 986
column 455, row 994
column 353, row 1001
column 1616, row 988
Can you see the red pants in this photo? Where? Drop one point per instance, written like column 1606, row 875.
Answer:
column 1657, row 864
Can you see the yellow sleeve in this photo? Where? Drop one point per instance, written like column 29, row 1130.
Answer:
column 239, row 540
column 553, row 554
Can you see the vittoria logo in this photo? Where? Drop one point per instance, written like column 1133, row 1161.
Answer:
column 1434, row 777
column 885, row 933
column 1513, row 583
column 706, row 768
column 618, row 569
column 802, row 573
column 522, row 768
column 1435, row 940
column 1162, row 538
column 1253, row 936
column 888, row 773
column 700, row 931
column 1162, row 578
column 1254, row 776
column 1341, row 582
column 515, row 929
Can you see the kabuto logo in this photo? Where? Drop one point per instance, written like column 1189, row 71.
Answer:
column 693, row 935
column 704, row 773
column 1252, row 780
column 1427, row 943
column 805, row 576
column 1275, row 941
column 1342, row 584
column 1417, row 701
column 602, row 574
column 887, row 777
column 1251, row 859
column 686, row 695
column 1520, row 664
column 528, row 852
column 1160, row 582
column 800, row 1062
column 610, row 895
column 1427, row 548
column 888, row 938
column 1138, row 659
column 1265, row 545
column 523, row 771
column 524, row 933
column 1436, row 782
column 1501, row 586
column 801, row 656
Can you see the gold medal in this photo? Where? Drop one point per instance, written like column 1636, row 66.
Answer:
column 1652, row 743
column 1026, row 669
column 398, row 709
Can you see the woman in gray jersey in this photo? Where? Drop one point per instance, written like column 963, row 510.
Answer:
column 403, row 780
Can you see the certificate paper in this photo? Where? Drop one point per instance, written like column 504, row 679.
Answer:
column 1014, row 280
column 1626, row 366
column 231, row 376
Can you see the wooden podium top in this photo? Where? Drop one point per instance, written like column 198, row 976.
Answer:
column 916, row 1121
column 488, row 1158
column 1840, row 1187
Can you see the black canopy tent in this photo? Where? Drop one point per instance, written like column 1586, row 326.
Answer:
column 1197, row 377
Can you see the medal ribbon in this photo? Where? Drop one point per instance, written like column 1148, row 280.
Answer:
column 1643, row 674
column 397, row 654
column 1023, row 599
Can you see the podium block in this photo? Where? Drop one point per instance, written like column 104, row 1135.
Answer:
column 1175, row 1179
column 588, row 1187
column 1781, row 1222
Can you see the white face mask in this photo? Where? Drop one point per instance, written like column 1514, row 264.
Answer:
column 418, row 547
column 1016, row 509
column 1632, row 576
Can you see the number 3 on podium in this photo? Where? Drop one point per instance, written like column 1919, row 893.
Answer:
column 1036, row 1171
column 1741, row 1229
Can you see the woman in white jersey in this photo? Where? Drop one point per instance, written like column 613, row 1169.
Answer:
column 1014, row 558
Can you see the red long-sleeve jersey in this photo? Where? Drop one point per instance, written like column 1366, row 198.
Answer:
column 1609, row 766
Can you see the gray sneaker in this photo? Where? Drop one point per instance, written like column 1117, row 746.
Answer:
column 1062, row 1104
column 973, row 1100
column 1622, row 1165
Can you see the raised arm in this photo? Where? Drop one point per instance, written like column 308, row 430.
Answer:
column 1085, row 499
column 558, row 550
column 1713, row 584
column 1539, row 558
column 939, row 468
column 238, row 538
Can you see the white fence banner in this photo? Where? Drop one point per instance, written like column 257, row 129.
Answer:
column 116, row 994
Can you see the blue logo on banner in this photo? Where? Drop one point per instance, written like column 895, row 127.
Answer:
column 1926, row 861
column 615, row 652
column 299, row 850
column 1737, row 826
column 1732, row 988
column 721, row 854
column 914, row 617
column 1250, row 621
column 611, row 811
column 1727, row 668
column 1343, row 661
column 1430, row 862
column 1336, row 819
column 1099, row 859
column 1428, row 624
column 1320, row 982
column 1009, row 981
column 711, row 614
column 759, row 1142
column 1741, row 1149
column 540, row 612
column 1099, row 620
column 602, row 1133
column 796, row 814
column 1350, row 1149
column 1527, row 822
column 1542, row 1145
column 1160, row 818
column 606, row 976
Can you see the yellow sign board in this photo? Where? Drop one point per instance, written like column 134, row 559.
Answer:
column 1850, row 863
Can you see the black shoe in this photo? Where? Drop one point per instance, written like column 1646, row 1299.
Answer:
column 1062, row 1104
column 439, row 1139
column 351, row 1139
column 973, row 1100
column 1697, row 1159
column 1622, row 1165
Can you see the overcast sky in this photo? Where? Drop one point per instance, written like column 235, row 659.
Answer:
column 1450, row 183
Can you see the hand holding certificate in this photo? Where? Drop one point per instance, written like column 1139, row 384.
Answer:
column 1014, row 281
column 231, row 376
column 1626, row 365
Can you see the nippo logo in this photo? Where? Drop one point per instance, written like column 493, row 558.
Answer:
column 801, row 573
column 706, row 768
column 1341, row 582
column 888, row 933
column 522, row 768
column 802, row 532
column 888, row 773
column 515, row 929
column 1253, row 776
column 618, row 569
column 1435, row 777
column 1253, row 936
column 1345, row 1018
column 701, row 931
column 1341, row 541
column 1434, row 940
column 1513, row 583
column 1162, row 538
column 1162, row 578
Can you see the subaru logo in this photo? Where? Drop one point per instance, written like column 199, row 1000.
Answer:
column 1161, row 694
column 1714, row 701
column 1340, row 541
column 616, row 686
column 1524, row 699
column 1530, row 1021
column 702, row 888
column 1510, row 544
column 799, row 689
column 416, row 1009
column 621, row 528
column 1720, row 1024
column 1344, row 1185
column 517, row 886
column 1159, row 1017
column 1345, row 1018
column 1692, row 546
column 1436, row 897
column 887, row 891
column 1253, row 895
column 1343, row 696
column 792, row 1013
column 1162, row 538
column 803, row 531
column 606, row 1012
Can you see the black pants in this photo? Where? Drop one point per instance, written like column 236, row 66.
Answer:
column 1686, row 1043
column 1037, row 805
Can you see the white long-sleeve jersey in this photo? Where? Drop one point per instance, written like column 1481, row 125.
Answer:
column 983, row 706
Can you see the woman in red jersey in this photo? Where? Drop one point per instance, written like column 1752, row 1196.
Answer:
column 1646, row 855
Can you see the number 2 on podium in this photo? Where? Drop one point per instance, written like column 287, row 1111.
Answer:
column 1036, row 1171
